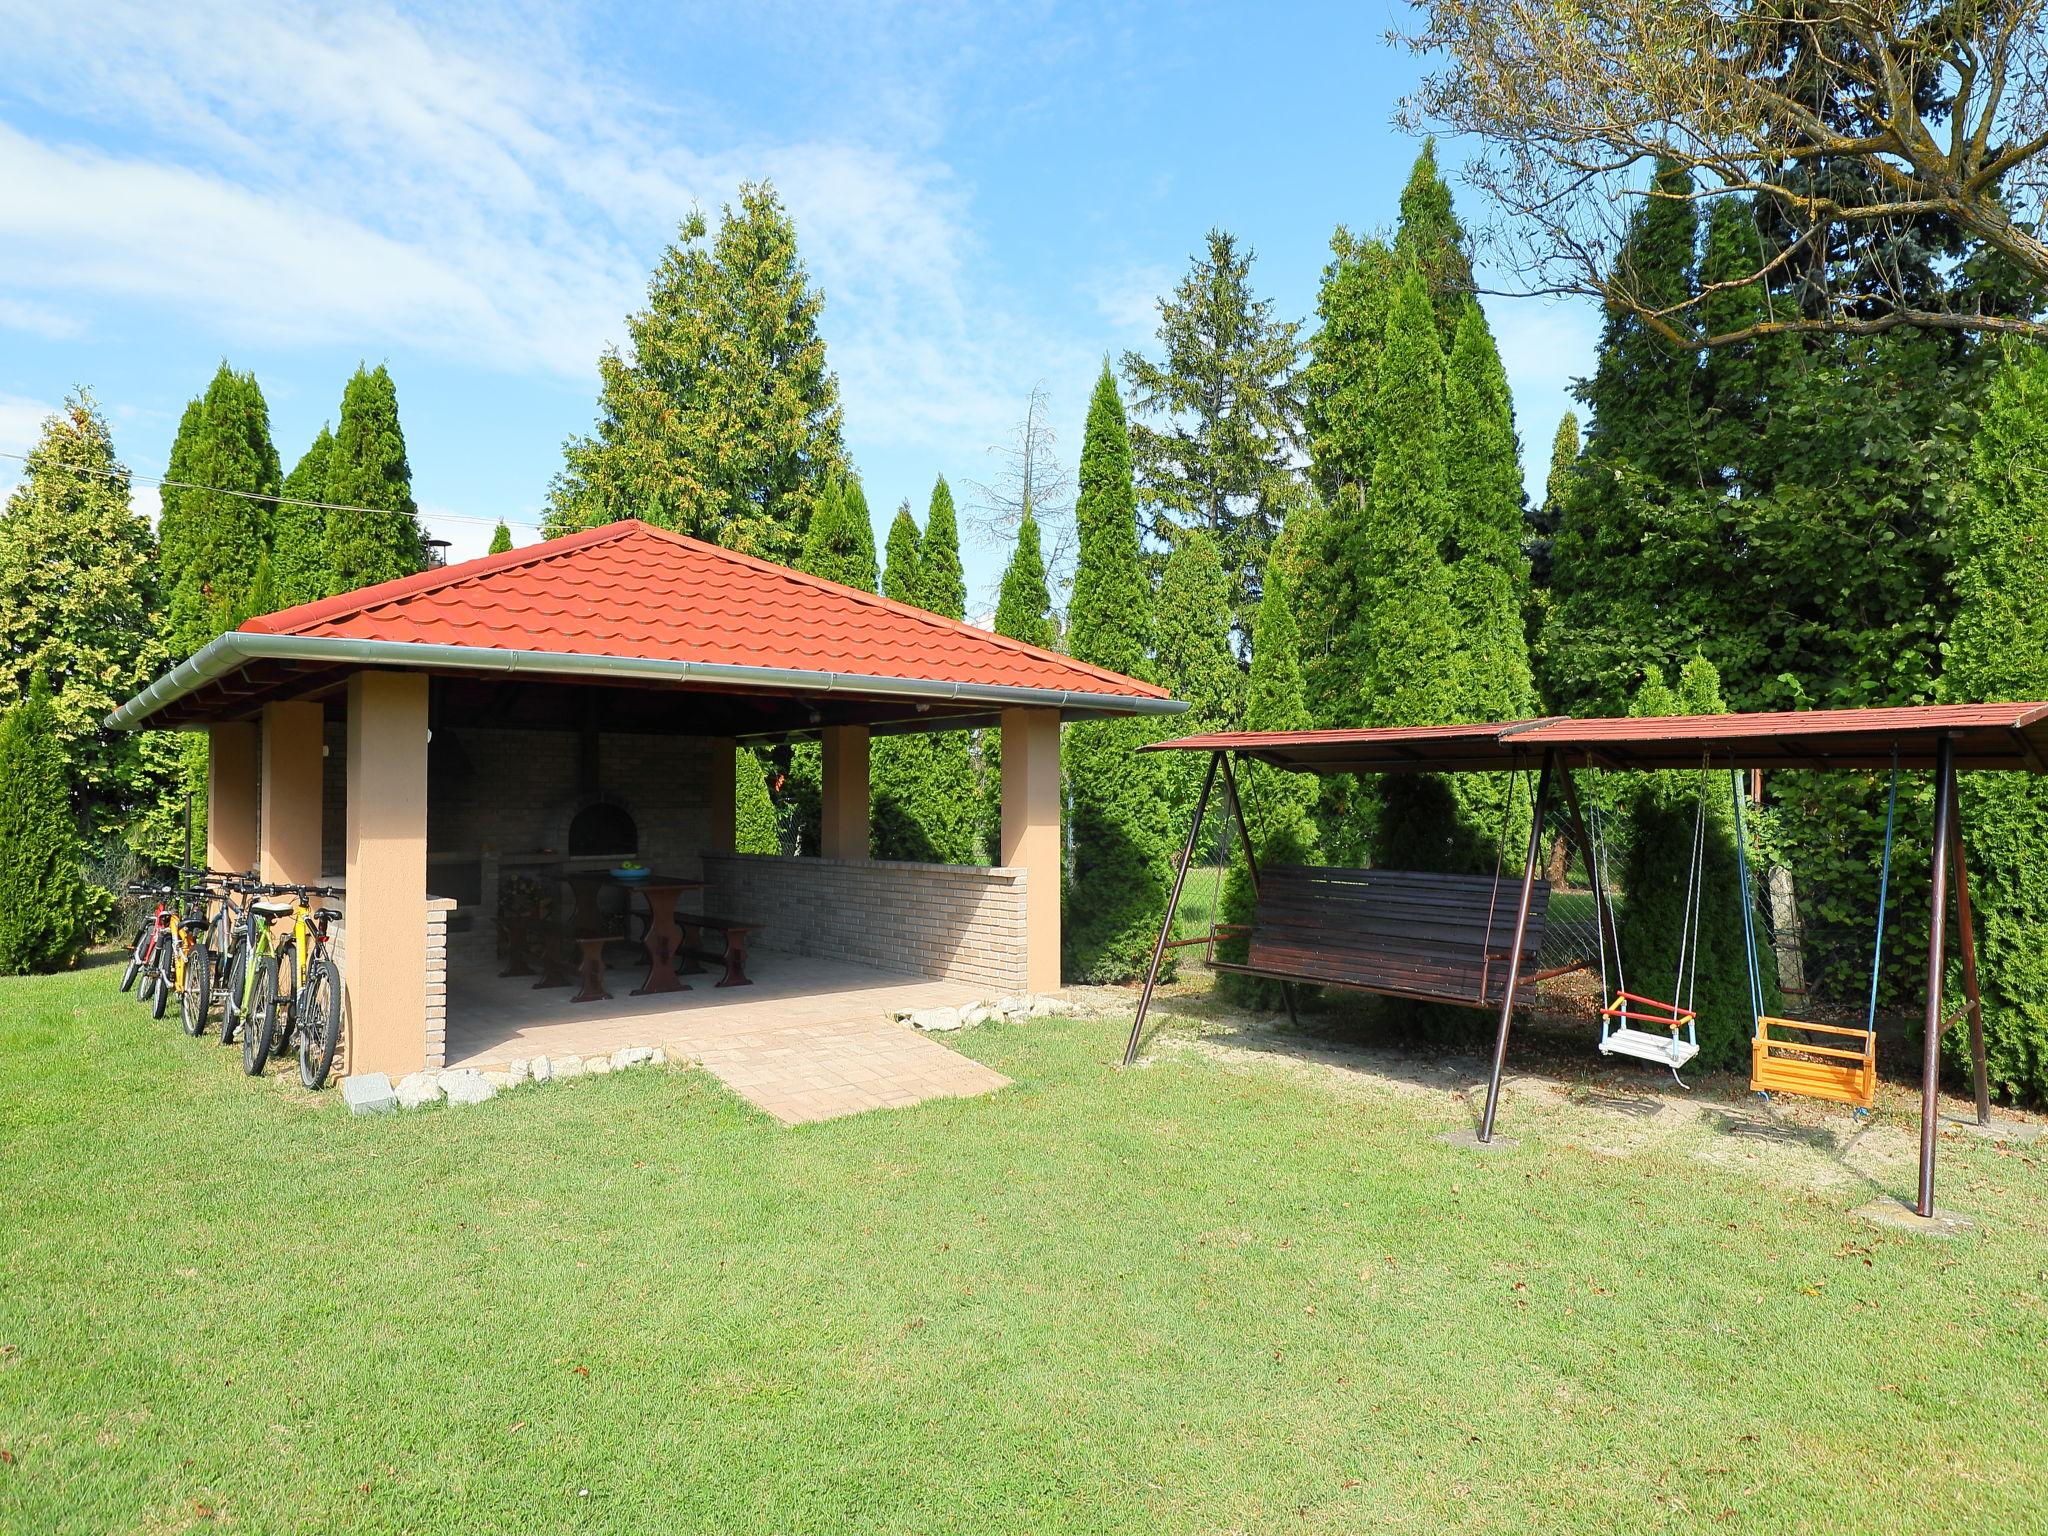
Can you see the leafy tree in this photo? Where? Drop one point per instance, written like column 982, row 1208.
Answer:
column 1998, row 650
column 44, row 905
column 1023, row 612
column 1214, row 425
column 1661, row 810
column 367, row 467
column 77, row 604
column 298, row 528
column 840, row 543
column 1116, row 883
column 1285, row 823
column 209, row 541
column 501, row 539
column 721, row 419
column 755, row 827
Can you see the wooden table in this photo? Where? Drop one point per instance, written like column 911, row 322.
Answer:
column 663, row 936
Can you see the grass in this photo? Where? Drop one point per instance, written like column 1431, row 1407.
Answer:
column 1206, row 1295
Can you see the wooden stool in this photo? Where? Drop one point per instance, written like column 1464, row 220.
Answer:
column 551, row 973
column 514, row 933
column 591, row 969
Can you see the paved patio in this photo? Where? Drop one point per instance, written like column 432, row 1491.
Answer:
column 810, row 1040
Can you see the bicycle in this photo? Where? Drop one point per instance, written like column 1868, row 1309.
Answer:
column 305, row 1013
column 142, row 955
column 247, row 993
column 194, row 964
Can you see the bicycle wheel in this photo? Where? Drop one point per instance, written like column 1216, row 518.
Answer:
column 319, row 1022
column 234, row 992
column 137, row 956
column 256, row 1017
column 163, row 977
column 284, row 996
column 198, row 994
column 220, row 940
column 145, row 988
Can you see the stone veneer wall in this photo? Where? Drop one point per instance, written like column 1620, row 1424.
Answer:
column 438, row 908
column 953, row 922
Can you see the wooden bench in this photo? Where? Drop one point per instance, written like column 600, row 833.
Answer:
column 1400, row 933
column 732, row 953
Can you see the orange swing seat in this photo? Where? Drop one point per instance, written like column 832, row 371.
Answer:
column 1845, row 1072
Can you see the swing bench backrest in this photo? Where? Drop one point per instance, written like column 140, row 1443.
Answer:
column 1401, row 933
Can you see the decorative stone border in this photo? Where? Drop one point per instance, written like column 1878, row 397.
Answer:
column 369, row 1093
column 1010, row 1009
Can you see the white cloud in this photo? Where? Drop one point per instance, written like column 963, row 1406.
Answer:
column 38, row 320
column 483, row 190
column 1129, row 299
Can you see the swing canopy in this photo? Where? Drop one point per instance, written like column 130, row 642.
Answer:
column 1415, row 935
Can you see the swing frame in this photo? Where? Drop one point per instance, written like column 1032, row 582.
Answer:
column 1941, row 739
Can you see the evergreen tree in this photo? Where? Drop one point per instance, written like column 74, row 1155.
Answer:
column 210, row 541
column 913, row 813
column 1661, row 811
column 1998, row 650
column 1341, row 380
column 1023, row 612
column 44, row 904
column 721, row 419
column 755, row 827
column 1194, row 659
column 840, row 543
column 1215, row 423
column 1285, row 825
column 1116, row 884
column 501, row 539
column 1626, row 559
column 900, row 578
column 942, row 584
column 1431, row 237
column 298, row 528
column 367, row 467
column 1543, row 524
column 77, row 604
column 1483, row 474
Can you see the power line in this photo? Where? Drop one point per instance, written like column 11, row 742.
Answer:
column 283, row 501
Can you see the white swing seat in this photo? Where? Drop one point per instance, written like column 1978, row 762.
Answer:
column 1666, row 1050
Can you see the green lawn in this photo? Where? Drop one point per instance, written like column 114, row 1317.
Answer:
column 1211, row 1294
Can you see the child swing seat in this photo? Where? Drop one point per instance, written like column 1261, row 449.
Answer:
column 1631, row 1025
column 1648, row 1028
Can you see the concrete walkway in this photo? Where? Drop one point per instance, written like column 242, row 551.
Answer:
column 810, row 1040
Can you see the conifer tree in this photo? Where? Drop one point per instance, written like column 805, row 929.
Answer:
column 367, row 468
column 1431, row 236
column 1214, row 424
column 1998, row 650
column 900, row 773
column 1624, row 580
column 44, row 904
column 1194, row 659
column 755, row 828
column 210, row 541
column 501, row 539
column 1341, row 380
column 840, row 543
column 1116, row 884
column 900, row 579
column 1543, row 524
column 78, row 605
column 942, row 584
column 298, row 528
column 1023, row 612
column 1285, row 825
column 720, row 419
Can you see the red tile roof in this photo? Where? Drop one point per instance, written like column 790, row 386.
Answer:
column 630, row 589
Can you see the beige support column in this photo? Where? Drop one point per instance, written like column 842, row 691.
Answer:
column 231, row 837
column 385, row 971
column 843, row 829
column 1031, row 834
column 291, row 793
column 721, row 788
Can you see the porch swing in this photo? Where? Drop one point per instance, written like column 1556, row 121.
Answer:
column 1420, row 935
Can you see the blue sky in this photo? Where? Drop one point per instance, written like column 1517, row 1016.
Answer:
column 991, row 198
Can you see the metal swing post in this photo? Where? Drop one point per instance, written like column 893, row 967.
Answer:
column 1180, row 878
column 1251, row 865
column 1966, row 942
column 1937, row 924
column 1514, row 976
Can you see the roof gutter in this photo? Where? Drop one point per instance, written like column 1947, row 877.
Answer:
column 237, row 648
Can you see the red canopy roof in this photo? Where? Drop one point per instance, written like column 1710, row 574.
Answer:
column 631, row 589
column 2013, row 736
column 628, row 605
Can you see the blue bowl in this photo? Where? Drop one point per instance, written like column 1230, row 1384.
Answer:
column 631, row 874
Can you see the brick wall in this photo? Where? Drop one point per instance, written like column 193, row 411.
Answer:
column 437, row 983
column 953, row 922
